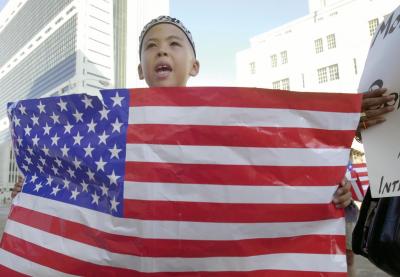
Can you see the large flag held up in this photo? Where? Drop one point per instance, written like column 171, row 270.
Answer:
column 172, row 181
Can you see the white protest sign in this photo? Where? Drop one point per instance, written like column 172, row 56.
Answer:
column 382, row 142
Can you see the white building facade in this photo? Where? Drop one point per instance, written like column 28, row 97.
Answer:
column 66, row 46
column 322, row 51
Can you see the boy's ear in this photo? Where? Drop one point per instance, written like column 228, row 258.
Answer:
column 140, row 72
column 195, row 68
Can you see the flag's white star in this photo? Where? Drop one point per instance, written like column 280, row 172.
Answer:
column 68, row 128
column 87, row 101
column 95, row 198
column 113, row 178
column 115, row 152
column 22, row 109
column 77, row 139
column 103, row 138
column 46, row 129
column 104, row 190
column 54, row 139
column 77, row 163
column 104, row 113
column 30, row 150
column 91, row 126
column 55, row 191
column 19, row 140
column 35, row 140
column 35, row 120
column 27, row 130
column 49, row 180
column 78, row 116
column 42, row 160
column 88, row 151
column 37, row 187
column 63, row 105
column 66, row 183
column 117, row 100
column 45, row 150
column 74, row 194
column 55, row 170
column 58, row 162
column 90, row 174
column 100, row 164
column 116, row 126
column 16, row 121
column 40, row 168
column 55, row 118
column 41, row 107
column 25, row 167
column 28, row 160
column 71, row 172
column 84, row 186
column 34, row 177
column 65, row 150
column 114, row 204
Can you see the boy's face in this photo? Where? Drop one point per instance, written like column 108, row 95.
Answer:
column 167, row 58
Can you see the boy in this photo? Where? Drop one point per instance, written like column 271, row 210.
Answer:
column 168, row 59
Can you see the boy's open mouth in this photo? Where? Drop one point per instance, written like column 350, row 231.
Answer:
column 163, row 70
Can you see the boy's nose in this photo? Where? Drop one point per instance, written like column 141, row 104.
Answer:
column 162, row 53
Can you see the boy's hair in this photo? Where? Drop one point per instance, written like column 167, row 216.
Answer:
column 169, row 20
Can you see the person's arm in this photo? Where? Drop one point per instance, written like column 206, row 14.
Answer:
column 17, row 187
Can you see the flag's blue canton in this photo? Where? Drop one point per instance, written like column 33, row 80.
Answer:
column 72, row 148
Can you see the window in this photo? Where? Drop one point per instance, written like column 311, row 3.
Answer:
column 281, row 84
column 284, row 58
column 285, row 84
column 318, row 45
column 322, row 75
column 252, row 67
column 331, row 41
column 333, row 72
column 373, row 24
column 274, row 61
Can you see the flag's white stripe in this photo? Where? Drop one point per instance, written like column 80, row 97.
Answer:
column 164, row 229
column 363, row 178
column 360, row 169
column 227, row 194
column 27, row 267
column 227, row 116
column 302, row 262
column 356, row 190
column 189, row 154
column 365, row 187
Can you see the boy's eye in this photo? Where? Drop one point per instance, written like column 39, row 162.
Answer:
column 174, row 43
column 150, row 45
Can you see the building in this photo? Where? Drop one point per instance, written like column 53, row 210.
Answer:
column 66, row 46
column 322, row 51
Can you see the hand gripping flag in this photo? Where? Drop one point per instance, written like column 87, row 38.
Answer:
column 180, row 181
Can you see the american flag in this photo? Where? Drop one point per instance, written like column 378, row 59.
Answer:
column 358, row 175
column 180, row 181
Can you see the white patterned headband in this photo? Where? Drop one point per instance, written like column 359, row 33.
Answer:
column 169, row 20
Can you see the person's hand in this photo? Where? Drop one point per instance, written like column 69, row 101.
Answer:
column 373, row 108
column 17, row 187
column 342, row 196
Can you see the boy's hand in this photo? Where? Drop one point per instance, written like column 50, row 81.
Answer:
column 342, row 196
column 17, row 187
column 373, row 108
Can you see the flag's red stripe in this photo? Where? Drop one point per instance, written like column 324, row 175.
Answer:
column 5, row 271
column 359, row 165
column 168, row 247
column 238, row 136
column 71, row 265
column 234, row 174
column 245, row 97
column 227, row 212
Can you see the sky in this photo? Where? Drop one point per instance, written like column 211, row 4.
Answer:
column 221, row 28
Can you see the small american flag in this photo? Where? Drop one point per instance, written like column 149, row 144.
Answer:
column 180, row 181
column 358, row 175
